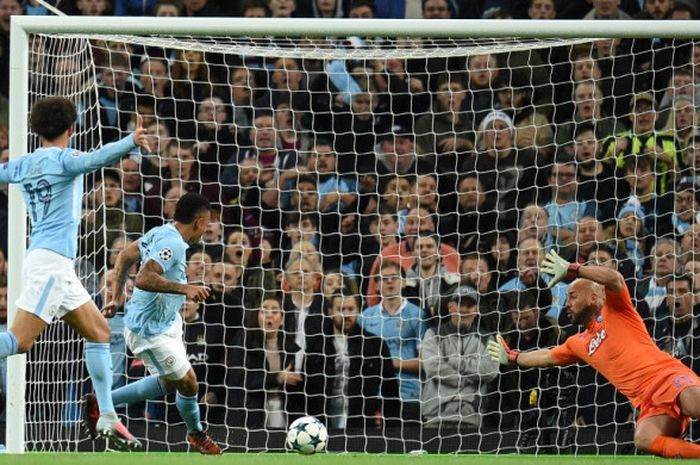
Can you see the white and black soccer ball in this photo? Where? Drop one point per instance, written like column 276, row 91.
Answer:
column 307, row 435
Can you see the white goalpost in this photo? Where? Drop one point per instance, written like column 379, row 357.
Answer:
column 99, row 63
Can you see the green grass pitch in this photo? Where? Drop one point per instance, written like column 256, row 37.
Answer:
column 325, row 459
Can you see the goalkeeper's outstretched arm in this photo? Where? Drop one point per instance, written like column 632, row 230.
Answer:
column 500, row 352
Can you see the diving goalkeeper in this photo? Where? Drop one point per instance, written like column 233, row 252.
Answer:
column 616, row 343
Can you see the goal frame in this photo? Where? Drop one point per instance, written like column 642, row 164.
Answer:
column 23, row 26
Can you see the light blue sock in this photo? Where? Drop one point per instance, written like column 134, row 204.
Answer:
column 143, row 389
column 8, row 344
column 99, row 365
column 189, row 411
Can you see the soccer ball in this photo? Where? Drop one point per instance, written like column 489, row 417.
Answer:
column 307, row 435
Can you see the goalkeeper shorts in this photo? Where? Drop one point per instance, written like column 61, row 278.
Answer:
column 663, row 395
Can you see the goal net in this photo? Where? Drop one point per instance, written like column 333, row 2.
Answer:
column 461, row 161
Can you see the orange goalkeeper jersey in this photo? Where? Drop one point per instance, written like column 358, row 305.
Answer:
column 617, row 344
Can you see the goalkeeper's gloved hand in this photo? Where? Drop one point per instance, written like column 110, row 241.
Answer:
column 559, row 268
column 501, row 353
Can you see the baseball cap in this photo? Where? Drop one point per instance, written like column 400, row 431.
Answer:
column 397, row 130
column 643, row 97
column 463, row 294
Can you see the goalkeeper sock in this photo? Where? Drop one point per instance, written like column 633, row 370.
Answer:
column 672, row 448
column 143, row 389
column 99, row 365
column 189, row 411
column 8, row 344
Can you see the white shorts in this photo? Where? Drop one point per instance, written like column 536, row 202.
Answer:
column 51, row 287
column 164, row 355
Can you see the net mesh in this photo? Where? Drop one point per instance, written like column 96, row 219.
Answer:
column 462, row 160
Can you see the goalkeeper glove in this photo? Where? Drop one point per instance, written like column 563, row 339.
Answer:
column 559, row 268
column 501, row 353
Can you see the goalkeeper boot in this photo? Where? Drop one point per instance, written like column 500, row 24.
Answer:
column 91, row 414
column 201, row 441
column 110, row 427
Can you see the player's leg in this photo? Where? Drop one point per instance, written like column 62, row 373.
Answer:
column 87, row 321
column 689, row 401
column 186, row 403
column 658, row 435
column 26, row 327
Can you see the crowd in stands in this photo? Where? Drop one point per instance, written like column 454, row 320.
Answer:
column 379, row 220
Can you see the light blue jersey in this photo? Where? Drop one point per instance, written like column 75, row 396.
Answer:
column 149, row 314
column 403, row 333
column 51, row 181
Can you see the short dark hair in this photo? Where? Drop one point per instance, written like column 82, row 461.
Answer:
column 632, row 162
column 583, row 128
column 360, row 3
column 681, row 277
column 52, row 116
column 190, row 206
column 109, row 173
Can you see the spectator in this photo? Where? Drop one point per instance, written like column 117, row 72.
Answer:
column 682, row 121
column 677, row 331
column 597, row 180
column 664, row 266
column 437, row 9
column 327, row 8
column 542, row 9
column 686, row 208
column 262, row 370
column 457, row 366
column 606, row 9
column 481, row 98
column 656, row 9
column 104, row 218
column 365, row 388
column 93, row 7
column 169, row 8
column 428, row 279
column 418, row 219
column 117, row 344
column 473, row 218
column 200, row 8
column 534, row 224
column 590, row 234
column 254, row 9
column 336, row 193
column 397, row 156
column 257, row 282
column 131, row 185
column 199, row 268
column 626, row 237
column 214, row 136
column 530, row 255
column 588, row 104
column 305, row 321
column 282, row 8
column 446, row 130
column 642, row 138
column 532, row 130
column 362, row 9
column 507, row 173
column 685, row 11
column 563, row 209
column 400, row 324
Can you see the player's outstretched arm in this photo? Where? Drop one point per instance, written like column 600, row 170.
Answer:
column 150, row 279
column 501, row 353
column 78, row 163
column 561, row 270
column 125, row 260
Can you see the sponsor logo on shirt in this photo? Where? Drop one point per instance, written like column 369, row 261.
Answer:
column 596, row 341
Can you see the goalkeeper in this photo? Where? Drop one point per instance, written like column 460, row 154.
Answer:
column 616, row 343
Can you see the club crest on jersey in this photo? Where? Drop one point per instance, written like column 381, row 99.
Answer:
column 596, row 341
column 166, row 254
